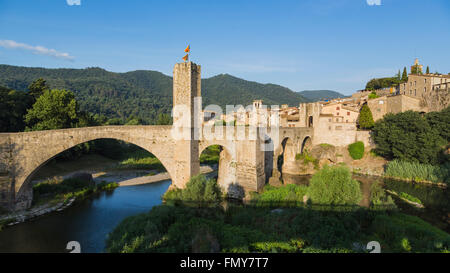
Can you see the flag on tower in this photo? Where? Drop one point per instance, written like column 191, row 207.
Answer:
column 188, row 49
column 186, row 57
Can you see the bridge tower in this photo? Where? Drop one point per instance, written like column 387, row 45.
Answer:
column 187, row 105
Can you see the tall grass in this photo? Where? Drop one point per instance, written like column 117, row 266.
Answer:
column 418, row 172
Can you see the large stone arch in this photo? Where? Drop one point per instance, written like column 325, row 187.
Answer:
column 32, row 150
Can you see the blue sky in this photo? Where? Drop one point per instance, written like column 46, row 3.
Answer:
column 301, row 44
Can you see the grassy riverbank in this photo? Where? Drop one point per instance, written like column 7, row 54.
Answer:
column 55, row 191
column 277, row 220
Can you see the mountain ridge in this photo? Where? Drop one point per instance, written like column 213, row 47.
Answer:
column 142, row 93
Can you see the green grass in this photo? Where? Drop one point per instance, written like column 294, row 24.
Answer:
column 418, row 172
column 326, row 145
column 410, row 197
column 307, row 158
column 55, row 191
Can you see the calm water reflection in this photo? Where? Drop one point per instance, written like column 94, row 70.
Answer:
column 88, row 222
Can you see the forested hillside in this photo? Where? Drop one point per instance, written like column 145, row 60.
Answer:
column 317, row 95
column 143, row 94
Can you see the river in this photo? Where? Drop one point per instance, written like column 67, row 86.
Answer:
column 87, row 222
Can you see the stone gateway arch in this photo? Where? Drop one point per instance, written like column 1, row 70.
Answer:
column 243, row 162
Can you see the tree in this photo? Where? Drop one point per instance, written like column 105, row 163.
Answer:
column 37, row 88
column 164, row 119
column 405, row 75
column 54, row 109
column 334, row 185
column 13, row 106
column 399, row 76
column 407, row 136
column 365, row 118
column 428, row 69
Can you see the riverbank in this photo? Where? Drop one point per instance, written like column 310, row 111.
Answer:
column 18, row 217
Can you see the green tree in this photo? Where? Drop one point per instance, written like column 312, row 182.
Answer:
column 13, row 106
column 365, row 120
column 399, row 76
column 407, row 136
column 334, row 185
column 54, row 109
column 37, row 88
column 164, row 119
column 199, row 192
column 405, row 75
column 428, row 69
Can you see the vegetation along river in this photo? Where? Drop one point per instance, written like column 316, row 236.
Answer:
column 89, row 221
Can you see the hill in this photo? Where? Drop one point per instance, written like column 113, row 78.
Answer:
column 142, row 93
column 316, row 95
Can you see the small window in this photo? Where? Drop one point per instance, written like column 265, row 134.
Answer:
column 348, row 113
column 337, row 108
column 338, row 113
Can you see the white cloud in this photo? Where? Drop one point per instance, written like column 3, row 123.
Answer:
column 40, row 50
column 374, row 2
column 73, row 2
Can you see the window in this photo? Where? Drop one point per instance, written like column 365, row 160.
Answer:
column 329, row 120
column 415, row 92
column 425, row 80
column 338, row 113
column 348, row 114
column 337, row 108
column 424, row 89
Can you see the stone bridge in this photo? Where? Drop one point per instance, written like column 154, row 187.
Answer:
column 248, row 158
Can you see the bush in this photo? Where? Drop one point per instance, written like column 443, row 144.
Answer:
column 199, row 192
column 334, row 185
column 286, row 196
column 418, row 172
column 356, row 150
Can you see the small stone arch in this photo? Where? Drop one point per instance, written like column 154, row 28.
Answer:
column 306, row 144
column 226, row 173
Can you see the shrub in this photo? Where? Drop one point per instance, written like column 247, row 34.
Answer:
column 286, row 196
column 334, row 185
column 199, row 192
column 356, row 150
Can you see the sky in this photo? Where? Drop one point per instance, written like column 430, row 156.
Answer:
column 301, row 44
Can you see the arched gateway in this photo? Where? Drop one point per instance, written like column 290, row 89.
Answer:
column 22, row 154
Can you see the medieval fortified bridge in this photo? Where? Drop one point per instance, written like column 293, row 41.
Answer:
column 243, row 164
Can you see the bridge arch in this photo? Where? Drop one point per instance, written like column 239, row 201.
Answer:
column 226, row 173
column 32, row 150
column 26, row 184
column 306, row 144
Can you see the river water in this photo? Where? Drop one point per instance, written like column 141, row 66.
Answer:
column 87, row 222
